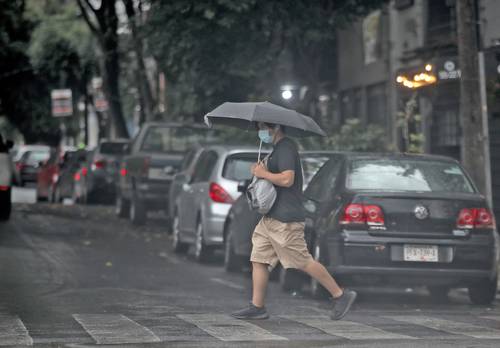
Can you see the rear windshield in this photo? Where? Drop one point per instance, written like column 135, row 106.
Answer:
column 237, row 167
column 176, row 139
column 35, row 157
column 110, row 148
column 407, row 175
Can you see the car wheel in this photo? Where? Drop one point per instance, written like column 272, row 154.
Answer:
column 121, row 206
column 5, row 205
column 202, row 252
column 317, row 290
column 137, row 211
column 290, row 279
column 484, row 292
column 232, row 262
column 178, row 246
column 439, row 293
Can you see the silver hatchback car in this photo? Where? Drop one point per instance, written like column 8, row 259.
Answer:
column 207, row 194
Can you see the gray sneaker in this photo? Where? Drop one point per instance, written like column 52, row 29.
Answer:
column 342, row 304
column 251, row 312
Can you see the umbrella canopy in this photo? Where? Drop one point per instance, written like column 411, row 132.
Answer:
column 247, row 115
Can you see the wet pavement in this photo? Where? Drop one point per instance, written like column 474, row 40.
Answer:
column 77, row 276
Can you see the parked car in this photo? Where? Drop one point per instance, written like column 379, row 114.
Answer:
column 153, row 158
column 64, row 184
column 207, row 195
column 407, row 220
column 28, row 164
column 241, row 221
column 49, row 172
column 6, row 175
column 18, row 152
column 98, row 174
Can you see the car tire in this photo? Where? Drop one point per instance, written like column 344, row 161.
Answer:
column 439, row 293
column 122, row 207
column 137, row 211
column 202, row 252
column 232, row 262
column 484, row 292
column 317, row 290
column 5, row 204
column 177, row 244
column 290, row 279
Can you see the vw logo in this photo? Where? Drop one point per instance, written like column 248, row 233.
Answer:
column 449, row 65
column 421, row 212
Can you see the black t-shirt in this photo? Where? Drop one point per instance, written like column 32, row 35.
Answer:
column 288, row 206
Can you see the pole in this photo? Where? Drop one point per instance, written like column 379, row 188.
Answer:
column 486, row 132
column 473, row 148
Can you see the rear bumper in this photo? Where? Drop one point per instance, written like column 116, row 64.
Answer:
column 362, row 258
column 215, row 219
column 154, row 194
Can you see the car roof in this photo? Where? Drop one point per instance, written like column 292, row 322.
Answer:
column 176, row 125
column 233, row 148
column 396, row 155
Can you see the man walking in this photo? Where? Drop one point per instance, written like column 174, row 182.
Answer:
column 279, row 236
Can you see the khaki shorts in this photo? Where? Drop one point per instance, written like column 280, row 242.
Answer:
column 275, row 241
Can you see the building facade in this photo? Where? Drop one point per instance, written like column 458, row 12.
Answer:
column 408, row 51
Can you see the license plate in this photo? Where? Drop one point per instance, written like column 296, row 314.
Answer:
column 421, row 253
column 157, row 173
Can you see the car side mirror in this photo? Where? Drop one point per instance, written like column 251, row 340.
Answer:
column 243, row 185
column 311, row 206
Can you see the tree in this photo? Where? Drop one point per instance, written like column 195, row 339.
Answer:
column 212, row 51
column 103, row 23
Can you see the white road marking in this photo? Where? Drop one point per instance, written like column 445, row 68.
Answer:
column 115, row 329
column 449, row 326
column 13, row 332
column 226, row 328
column 227, row 283
column 347, row 329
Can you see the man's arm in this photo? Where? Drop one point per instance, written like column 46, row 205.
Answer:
column 283, row 179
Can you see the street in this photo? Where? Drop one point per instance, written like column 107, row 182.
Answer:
column 77, row 276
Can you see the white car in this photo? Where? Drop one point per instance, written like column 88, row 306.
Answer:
column 6, row 170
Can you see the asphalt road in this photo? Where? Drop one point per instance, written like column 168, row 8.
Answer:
column 76, row 276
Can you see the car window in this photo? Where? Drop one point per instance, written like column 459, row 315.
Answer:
column 311, row 165
column 34, row 157
column 112, row 148
column 176, row 139
column 237, row 167
column 188, row 159
column 204, row 167
column 407, row 175
column 324, row 181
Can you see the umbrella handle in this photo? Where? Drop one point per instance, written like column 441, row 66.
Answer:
column 260, row 148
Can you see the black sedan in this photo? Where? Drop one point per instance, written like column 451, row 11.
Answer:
column 407, row 220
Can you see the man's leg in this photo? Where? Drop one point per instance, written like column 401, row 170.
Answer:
column 319, row 272
column 260, row 278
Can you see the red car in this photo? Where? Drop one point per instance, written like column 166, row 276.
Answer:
column 49, row 173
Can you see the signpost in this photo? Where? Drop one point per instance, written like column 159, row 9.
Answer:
column 62, row 102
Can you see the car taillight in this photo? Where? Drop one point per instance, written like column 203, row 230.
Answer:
column 123, row 171
column 77, row 176
column 99, row 164
column 470, row 218
column 4, row 188
column 361, row 214
column 84, row 171
column 218, row 194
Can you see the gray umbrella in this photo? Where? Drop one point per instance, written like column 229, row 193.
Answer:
column 246, row 116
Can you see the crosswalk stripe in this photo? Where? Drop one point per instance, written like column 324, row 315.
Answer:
column 449, row 326
column 347, row 329
column 13, row 332
column 226, row 328
column 114, row 329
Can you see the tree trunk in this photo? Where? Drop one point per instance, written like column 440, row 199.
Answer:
column 473, row 156
column 146, row 96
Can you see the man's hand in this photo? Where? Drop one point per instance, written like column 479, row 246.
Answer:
column 259, row 170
